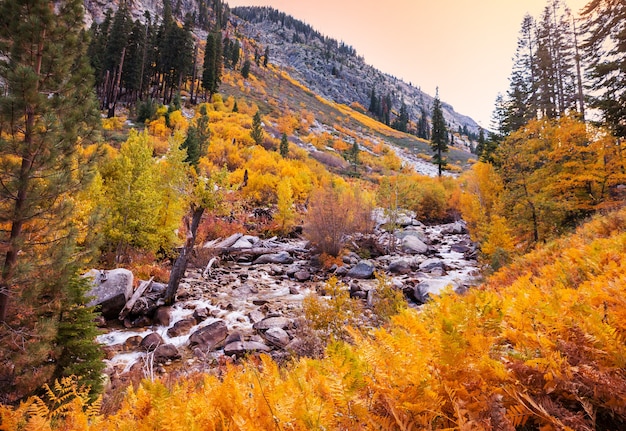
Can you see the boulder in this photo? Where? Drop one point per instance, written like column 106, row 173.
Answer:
column 456, row 228
column 302, row 275
column 241, row 348
column 166, row 352
column 131, row 343
column 432, row 265
column 413, row 245
column 282, row 258
column 163, row 316
column 110, row 290
column 363, row 270
column 277, row 336
column 273, row 322
column 209, row 336
column 181, row 327
column 399, row 267
column 417, row 294
column 151, row 341
column 200, row 314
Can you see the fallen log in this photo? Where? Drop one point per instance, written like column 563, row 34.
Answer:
column 138, row 293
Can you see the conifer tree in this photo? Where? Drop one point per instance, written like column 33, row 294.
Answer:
column 245, row 69
column 266, row 56
column 212, row 65
column 257, row 128
column 47, row 114
column 439, row 138
column 284, row 145
column 605, row 46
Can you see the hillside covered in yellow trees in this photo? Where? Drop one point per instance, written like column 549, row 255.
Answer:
column 156, row 145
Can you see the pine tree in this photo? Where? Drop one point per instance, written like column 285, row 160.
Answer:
column 192, row 146
column 47, row 115
column 605, row 46
column 257, row 128
column 79, row 353
column 266, row 56
column 212, row 65
column 284, row 145
column 402, row 121
column 245, row 69
column 439, row 138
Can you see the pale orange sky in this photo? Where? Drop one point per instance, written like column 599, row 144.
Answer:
column 464, row 47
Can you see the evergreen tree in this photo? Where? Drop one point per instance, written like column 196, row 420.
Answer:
column 402, row 121
column 234, row 54
column 604, row 23
column 235, row 107
column 423, row 131
column 266, row 56
column 79, row 353
column 47, row 115
column 284, row 145
column 439, row 138
column 245, row 69
column 257, row 128
column 192, row 146
column 212, row 65
column 373, row 108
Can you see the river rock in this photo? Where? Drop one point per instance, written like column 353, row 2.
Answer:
column 132, row 343
column 151, row 341
column 456, row 228
column 110, row 290
column 363, row 270
column 241, row 348
column 302, row 275
column 433, row 266
column 166, row 352
column 277, row 336
column 163, row 316
column 209, row 336
column 413, row 245
column 200, row 314
column 273, row 322
column 399, row 267
column 181, row 327
column 282, row 258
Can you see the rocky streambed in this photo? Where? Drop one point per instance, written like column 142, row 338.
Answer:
column 247, row 303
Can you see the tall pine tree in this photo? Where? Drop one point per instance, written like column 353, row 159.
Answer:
column 439, row 137
column 47, row 114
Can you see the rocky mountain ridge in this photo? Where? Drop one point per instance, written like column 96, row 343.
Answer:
column 329, row 68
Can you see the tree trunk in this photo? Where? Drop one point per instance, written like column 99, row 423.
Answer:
column 180, row 265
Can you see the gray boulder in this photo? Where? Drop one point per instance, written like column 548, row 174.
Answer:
column 302, row 275
column 432, row 265
column 399, row 267
column 273, row 322
column 241, row 348
column 209, row 336
column 456, row 228
column 277, row 336
column 413, row 245
column 282, row 258
column 110, row 290
column 363, row 270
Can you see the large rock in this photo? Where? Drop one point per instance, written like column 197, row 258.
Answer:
column 163, row 316
column 110, row 290
column 432, row 265
column 413, row 245
column 151, row 341
column 400, row 266
column 363, row 270
column 181, row 327
column 209, row 336
column 282, row 258
column 277, row 336
column 241, row 348
column 456, row 228
column 165, row 353
column 273, row 322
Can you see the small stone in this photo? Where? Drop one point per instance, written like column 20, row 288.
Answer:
column 302, row 275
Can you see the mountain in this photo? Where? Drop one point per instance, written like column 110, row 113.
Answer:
column 328, row 68
column 333, row 69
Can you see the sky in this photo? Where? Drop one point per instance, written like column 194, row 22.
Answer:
column 463, row 47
